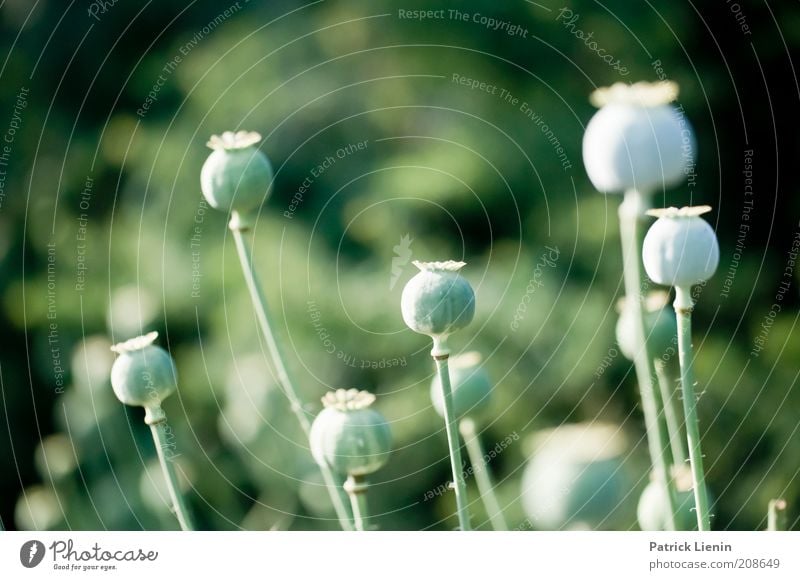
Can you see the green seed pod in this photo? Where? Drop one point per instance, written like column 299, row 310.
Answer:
column 661, row 327
column 638, row 139
column 652, row 509
column 237, row 175
column 348, row 436
column 143, row 374
column 680, row 248
column 470, row 383
column 576, row 479
column 438, row 300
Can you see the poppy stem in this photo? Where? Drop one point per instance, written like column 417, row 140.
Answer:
column 631, row 213
column 157, row 419
column 666, row 383
column 776, row 517
column 356, row 488
column 440, row 356
column 238, row 226
column 483, row 478
column 683, row 309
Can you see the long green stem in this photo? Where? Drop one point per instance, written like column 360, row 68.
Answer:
column 157, row 419
column 482, row 476
column 237, row 226
column 683, row 309
column 631, row 212
column 356, row 488
column 776, row 516
column 453, row 441
column 666, row 385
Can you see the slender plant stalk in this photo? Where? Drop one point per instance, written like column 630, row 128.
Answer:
column 776, row 516
column 157, row 419
column 453, row 441
column 356, row 488
column 260, row 305
column 631, row 212
column 683, row 309
column 482, row 476
column 665, row 383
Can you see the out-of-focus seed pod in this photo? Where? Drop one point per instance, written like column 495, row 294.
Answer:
column 661, row 328
column 577, row 478
column 652, row 510
column 638, row 139
column 348, row 435
column 471, row 386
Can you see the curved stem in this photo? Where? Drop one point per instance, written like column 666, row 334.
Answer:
column 631, row 212
column 157, row 419
column 683, row 309
column 356, row 488
column 482, row 477
column 453, row 441
column 237, row 226
column 665, row 383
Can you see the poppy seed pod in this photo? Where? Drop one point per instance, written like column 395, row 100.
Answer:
column 438, row 300
column 651, row 512
column 661, row 327
column 470, row 384
column 576, row 478
column 348, row 435
column 143, row 374
column 637, row 140
column 680, row 248
column 237, row 175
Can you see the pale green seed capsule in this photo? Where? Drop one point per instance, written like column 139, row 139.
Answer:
column 438, row 300
column 348, row 435
column 661, row 327
column 143, row 374
column 576, row 478
column 237, row 175
column 680, row 248
column 651, row 512
column 470, row 383
column 637, row 140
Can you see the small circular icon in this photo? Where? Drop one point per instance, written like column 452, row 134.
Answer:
column 31, row 553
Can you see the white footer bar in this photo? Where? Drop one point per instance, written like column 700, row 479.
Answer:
column 407, row 555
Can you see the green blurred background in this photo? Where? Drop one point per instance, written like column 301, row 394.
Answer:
column 102, row 188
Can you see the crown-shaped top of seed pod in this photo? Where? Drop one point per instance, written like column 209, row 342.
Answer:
column 637, row 140
column 136, row 343
column 234, row 140
column 679, row 212
column 143, row 374
column 438, row 301
column 680, row 249
column 445, row 266
column 348, row 399
column 642, row 94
